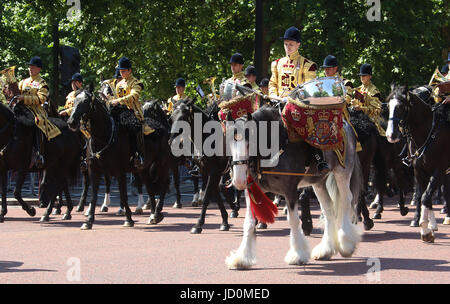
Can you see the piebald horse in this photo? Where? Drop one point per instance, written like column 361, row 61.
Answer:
column 338, row 193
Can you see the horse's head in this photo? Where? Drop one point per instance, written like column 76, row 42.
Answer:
column 399, row 104
column 105, row 89
column 82, row 107
column 182, row 112
column 238, row 140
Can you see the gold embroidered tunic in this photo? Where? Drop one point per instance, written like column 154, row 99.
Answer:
column 172, row 100
column 288, row 72
column 128, row 90
column 35, row 92
column 371, row 105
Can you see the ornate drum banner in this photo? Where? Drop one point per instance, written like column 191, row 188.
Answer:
column 238, row 106
column 318, row 125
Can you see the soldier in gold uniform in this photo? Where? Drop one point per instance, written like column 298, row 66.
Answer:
column 367, row 98
column 128, row 91
column 439, row 96
column 250, row 74
column 180, row 87
column 76, row 83
column 34, row 93
column 236, row 65
column 290, row 71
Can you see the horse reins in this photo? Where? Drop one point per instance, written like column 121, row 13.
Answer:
column 418, row 154
column 108, row 144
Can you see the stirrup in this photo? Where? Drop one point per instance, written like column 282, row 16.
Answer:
column 39, row 161
column 323, row 168
column 138, row 161
column 195, row 172
column 83, row 166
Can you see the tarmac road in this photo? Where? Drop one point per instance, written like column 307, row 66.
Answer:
column 59, row 252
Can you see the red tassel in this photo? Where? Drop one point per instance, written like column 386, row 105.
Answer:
column 262, row 207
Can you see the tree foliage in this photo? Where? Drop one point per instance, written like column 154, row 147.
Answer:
column 194, row 39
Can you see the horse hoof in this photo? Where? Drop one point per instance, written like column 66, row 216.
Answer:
column 373, row 206
column 368, row 224
column 128, row 224
column 224, row 227
column 414, row 223
column 80, row 208
column 196, row 230
column 44, row 219
column 194, row 204
column 428, row 238
column 262, row 225
column 446, row 221
column 31, row 211
column 86, row 226
column 104, row 209
column 56, row 212
column 153, row 220
column 404, row 211
column 234, row 214
column 177, row 205
column 42, row 205
column 443, row 211
column 138, row 211
column 376, row 216
column 67, row 217
column 413, row 203
column 120, row 212
column 146, row 207
column 2, row 218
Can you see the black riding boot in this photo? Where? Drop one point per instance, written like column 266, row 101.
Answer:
column 139, row 154
column 322, row 166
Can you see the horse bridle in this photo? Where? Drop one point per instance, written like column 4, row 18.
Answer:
column 98, row 154
column 404, row 130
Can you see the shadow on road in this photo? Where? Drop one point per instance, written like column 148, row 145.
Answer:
column 9, row 266
column 359, row 266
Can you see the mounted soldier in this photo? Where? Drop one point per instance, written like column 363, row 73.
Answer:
column 250, row 74
column 180, row 87
column 367, row 97
column 441, row 83
column 232, row 100
column 290, row 71
column 76, row 83
column 34, row 93
column 128, row 91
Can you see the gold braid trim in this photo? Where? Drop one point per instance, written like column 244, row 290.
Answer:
column 337, row 106
column 230, row 103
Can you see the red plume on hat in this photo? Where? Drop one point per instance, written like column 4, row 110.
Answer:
column 262, row 207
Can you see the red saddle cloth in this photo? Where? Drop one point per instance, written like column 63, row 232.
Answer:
column 238, row 106
column 318, row 125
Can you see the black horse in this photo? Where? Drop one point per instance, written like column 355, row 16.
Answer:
column 215, row 166
column 427, row 131
column 109, row 151
column 61, row 155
